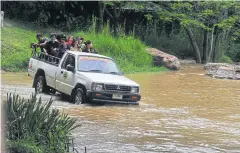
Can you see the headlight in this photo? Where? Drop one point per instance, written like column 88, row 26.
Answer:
column 134, row 90
column 97, row 87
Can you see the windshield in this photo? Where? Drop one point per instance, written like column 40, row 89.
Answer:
column 97, row 64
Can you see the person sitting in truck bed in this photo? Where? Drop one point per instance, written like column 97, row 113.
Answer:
column 52, row 46
column 89, row 48
column 41, row 40
column 74, row 46
column 81, row 45
column 62, row 46
column 69, row 42
column 58, row 37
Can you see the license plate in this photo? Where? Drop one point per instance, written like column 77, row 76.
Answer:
column 117, row 96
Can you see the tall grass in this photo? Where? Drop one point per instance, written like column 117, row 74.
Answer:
column 15, row 48
column 32, row 127
column 129, row 52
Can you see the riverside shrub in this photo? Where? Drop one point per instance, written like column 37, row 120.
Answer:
column 32, row 127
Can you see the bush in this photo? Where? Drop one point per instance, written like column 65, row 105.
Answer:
column 33, row 127
column 233, row 51
column 225, row 59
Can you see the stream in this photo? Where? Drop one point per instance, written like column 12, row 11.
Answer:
column 180, row 111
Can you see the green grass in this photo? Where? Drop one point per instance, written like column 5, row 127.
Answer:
column 129, row 53
column 15, row 48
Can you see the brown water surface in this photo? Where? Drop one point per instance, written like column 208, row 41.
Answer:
column 181, row 111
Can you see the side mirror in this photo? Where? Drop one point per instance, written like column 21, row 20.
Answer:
column 70, row 68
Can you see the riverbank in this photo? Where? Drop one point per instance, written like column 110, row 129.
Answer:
column 129, row 53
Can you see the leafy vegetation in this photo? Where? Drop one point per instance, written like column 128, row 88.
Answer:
column 32, row 127
column 207, row 31
column 217, row 21
column 129, row 53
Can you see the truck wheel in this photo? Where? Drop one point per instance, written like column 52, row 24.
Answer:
column 40, row 85
column 78, row 96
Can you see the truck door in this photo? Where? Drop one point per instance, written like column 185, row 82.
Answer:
column 65, row 79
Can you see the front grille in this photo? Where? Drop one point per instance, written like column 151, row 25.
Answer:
column 109, row 87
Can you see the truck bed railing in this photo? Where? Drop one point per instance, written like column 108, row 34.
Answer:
column 46, row 58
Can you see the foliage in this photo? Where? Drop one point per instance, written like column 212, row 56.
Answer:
column 218, row 22
column 31, row 126
column 129, row 53
column 225, row 59
column 234, row 52
column 219, row 18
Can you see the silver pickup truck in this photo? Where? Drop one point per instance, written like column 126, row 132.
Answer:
column 84, row 77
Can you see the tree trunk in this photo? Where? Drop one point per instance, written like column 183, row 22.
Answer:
column 115, row 27
column 205, row 46
column 194, row 45
column 101, row 6
column 124, row 26
column 155, row 26
column 115, row 18
column 216, row 50
column 211, row 49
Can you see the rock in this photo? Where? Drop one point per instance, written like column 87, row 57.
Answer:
column 215, row 66
column 237, row 63
column 163, row 59
column 223, row 70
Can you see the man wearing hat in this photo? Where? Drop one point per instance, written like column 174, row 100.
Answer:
column 41, row 40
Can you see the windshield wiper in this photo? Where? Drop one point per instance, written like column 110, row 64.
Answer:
column 95, row 70
column 113, row 72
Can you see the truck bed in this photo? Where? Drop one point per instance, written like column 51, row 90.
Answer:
column 48, row 64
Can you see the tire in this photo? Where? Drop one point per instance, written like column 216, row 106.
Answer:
column 78, row 96
column 40, row 85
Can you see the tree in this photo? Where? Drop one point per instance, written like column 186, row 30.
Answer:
column 205, row 15
column 116, row 7
column 101, row 6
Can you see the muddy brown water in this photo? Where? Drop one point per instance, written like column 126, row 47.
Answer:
column 181, row 111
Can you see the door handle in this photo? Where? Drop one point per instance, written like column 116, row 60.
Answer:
column 61, row 72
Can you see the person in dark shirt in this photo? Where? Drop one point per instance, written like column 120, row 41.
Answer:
column 52, row 46
column 41, row 40
column 89, row 47
column 40, row 43
column 62, row 46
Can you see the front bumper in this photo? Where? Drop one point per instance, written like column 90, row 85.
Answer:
column 127, row 98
